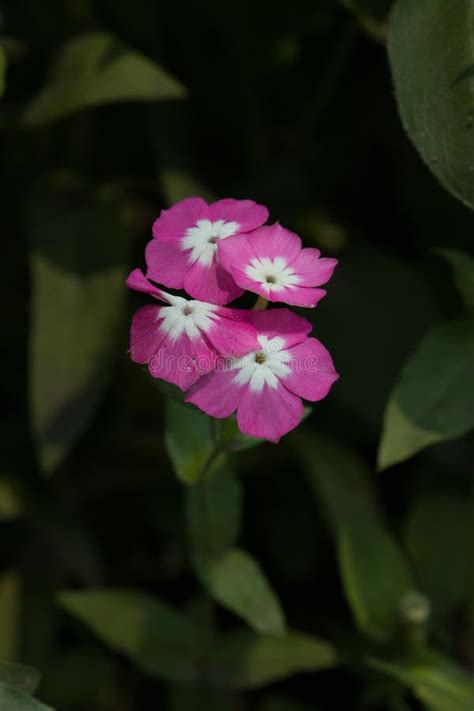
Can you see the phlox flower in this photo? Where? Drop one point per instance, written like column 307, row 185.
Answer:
column 271, row 262
column 183, row 251
column 185, row 339
column 266, row 385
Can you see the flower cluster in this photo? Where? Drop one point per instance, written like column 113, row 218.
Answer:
column 259, row 364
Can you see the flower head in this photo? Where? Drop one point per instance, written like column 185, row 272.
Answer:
column 266, row 385
column 183, row 251
column 271, row 262
column 186, row 338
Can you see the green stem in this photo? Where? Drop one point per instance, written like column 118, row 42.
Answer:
column 261, row 304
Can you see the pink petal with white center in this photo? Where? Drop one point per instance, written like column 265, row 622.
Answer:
column 312, row 371
column 297, row 296
column 145, row 335
column 230, row 335
column 173, row 223
column 269, row 413
column 216, row 394
column 246, row 213
column 137, row 281
column 312, row 269
column 211, row 283
column 166, row 263
column 275, row 241
column 235, row 252
column 182, row 361
column 279, row 322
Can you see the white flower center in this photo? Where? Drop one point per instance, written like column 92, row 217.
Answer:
column 273, row 274
column 203, row 237
column 189, row 317
column 263, row 367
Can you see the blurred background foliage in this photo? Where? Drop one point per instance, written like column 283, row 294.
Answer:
column 120, row 576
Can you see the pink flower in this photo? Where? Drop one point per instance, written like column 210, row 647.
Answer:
column 183, row 253
column 271, row 262
column 265, row 386
column 184, row 339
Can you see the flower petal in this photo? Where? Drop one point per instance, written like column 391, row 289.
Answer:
column 247, row 213
column 211, row 283
column 279, row 322
column 173, row 223
column 216, row 394
column 312, row 371
column 145, row 334
column 235, row 252
column 166, row 263
column 275, row 241
column 313, row 269
column 182, row 361
column 269, row 413
column 231, row 336
column 137, row 281
column 296, row 296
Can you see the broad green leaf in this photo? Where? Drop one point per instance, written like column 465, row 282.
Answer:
column 432, row 59
column 373, row 569
column 189, row 440
column 20, row 676
column 248, row 661
column 78, row 256
column 238, row 583
column 157, row 638
column 213, row 510
column 463, row 265
column 3, row 70
column 436, row 532
column 434, row 398
column 13, row 699
column 436, row 680
column 94, row 69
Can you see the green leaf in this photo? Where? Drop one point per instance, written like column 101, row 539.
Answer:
column 20, row 676
column 156, row 637
column 78, row 257
column 213, row 510
column 373, row 569
column 435, row 534
column 13, row 699
column 463, row 265
column 432, row 59
column 189, row 440
column 94, row 69
column 437, row 681
column 434, row 398
column 3, row 71
column 248, row 661
column 238, row 583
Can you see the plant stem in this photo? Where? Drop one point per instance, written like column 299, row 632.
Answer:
column 261, row 304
